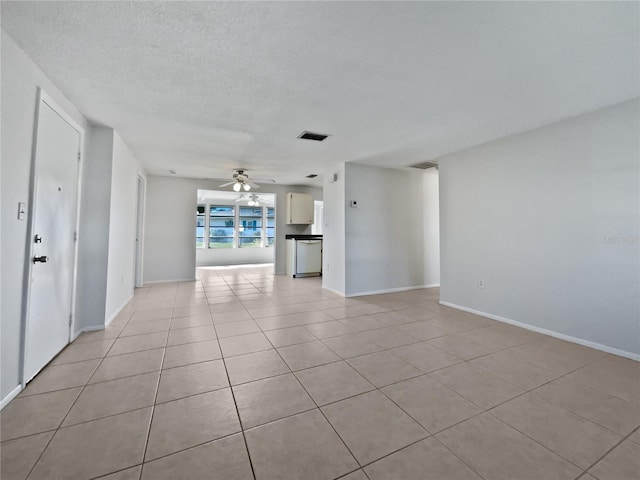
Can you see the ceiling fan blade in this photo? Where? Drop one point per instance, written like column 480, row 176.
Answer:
column 253, row 185
column 240, row 198
column 226, row 184
column 263, row 180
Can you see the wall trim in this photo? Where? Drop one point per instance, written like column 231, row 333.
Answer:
column 92, row 328
column 544, row 331
column 333, row 291
column 117, row 312
column 152, row 282
column 12, row 394
column 389, row 290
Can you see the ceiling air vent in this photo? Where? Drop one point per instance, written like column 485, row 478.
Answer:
column 425, row 165
column 312, row 175
column 318, row 137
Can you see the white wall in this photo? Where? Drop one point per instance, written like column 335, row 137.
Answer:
column 122, row 228
column 234, row 256
column 384, row 234
column 534, row 215
column 20, row 81
column 333, row 273
column 93, row 239
column 431, row 219
column 170, row 223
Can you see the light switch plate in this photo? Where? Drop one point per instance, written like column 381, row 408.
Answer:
column 22, row 210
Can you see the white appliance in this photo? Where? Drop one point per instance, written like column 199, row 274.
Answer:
column 304, row 257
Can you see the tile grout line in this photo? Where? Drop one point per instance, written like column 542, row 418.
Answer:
column 155, row 399
column 346, row 361
column 483, row 411
column 83, row 387
column 489, row 411
column 317, row 407
column 380, row 389
column 235, row 404
column 70, row 408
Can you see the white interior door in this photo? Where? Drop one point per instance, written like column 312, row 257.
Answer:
column 53, row 228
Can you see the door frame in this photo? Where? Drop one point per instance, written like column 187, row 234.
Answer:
column 44, row 98
column 139, row 246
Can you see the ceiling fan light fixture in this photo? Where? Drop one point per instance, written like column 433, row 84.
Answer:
column 246, row 187
column 236, row 187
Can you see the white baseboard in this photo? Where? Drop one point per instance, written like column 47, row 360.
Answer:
column 544, row 331
column 12, row 394
column 433, row 285
column 333, row 291
column 117, row 312
column 94, row 328
column 91, row 328
column 389, row 290
column 175, row 280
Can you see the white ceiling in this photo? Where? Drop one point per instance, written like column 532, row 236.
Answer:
column 205, row 87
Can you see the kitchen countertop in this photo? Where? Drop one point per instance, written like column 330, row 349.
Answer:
column 296, row 236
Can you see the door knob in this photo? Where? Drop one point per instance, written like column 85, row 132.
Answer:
column 37, row 239
column 42, row 259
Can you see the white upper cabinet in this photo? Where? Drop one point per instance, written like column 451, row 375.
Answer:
column 299, row 208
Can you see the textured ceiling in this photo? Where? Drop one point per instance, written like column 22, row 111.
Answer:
column 205, row 87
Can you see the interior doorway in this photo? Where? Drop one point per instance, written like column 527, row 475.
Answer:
column 52, row 251
column 235, row 228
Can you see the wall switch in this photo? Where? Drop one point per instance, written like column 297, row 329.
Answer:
column 22, row 210
column 353, row 203
column 480, row 283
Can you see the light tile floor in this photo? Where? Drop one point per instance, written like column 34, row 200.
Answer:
column 243, row 375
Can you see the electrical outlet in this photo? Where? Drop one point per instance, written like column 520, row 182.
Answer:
column 480, row 283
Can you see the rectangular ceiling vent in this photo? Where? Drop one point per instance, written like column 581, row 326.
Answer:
column 425, row 165
column 318, row 137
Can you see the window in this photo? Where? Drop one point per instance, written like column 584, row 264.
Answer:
column 235, row 226
column 221, row 226
column 250, row 227
column 200, row 225
column 271, row 227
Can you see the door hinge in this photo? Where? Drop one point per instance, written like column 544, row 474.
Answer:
column 79, row 155
column 70, row 318
column 75, row 237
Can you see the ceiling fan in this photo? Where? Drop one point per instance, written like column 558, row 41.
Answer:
column 241, row 181
column 254, row 200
